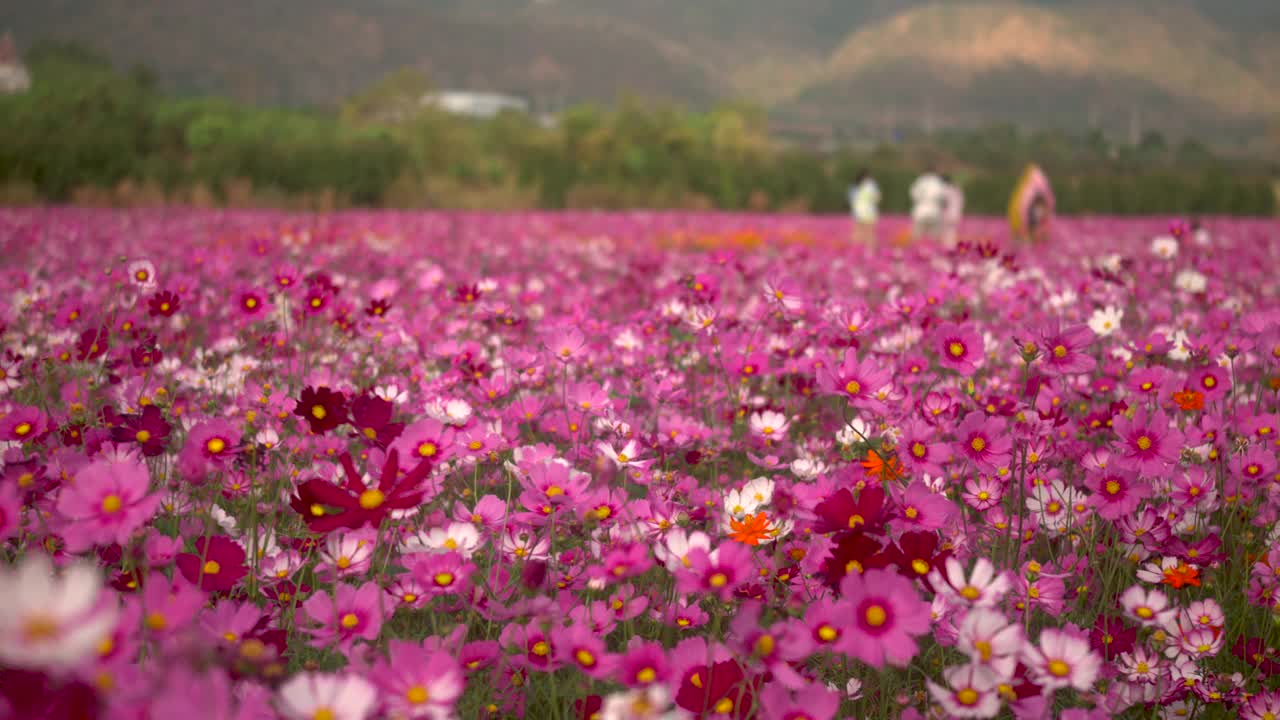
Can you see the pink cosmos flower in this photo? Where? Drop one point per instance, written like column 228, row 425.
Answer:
column 1062, row 349
column 983, row 441
column 418, row 683
column 923, row 509
column 348, row 615
column 970, row 692
column 887, row 615
column 959, row 348
column 1116, row 493
column 984, row 587
column 106, row 504
column 1063, row 659
column 1147, row 444
column 1148, row 607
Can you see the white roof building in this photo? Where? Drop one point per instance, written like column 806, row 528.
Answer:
column 475, row 104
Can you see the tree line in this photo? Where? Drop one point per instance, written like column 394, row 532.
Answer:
column 84, row 124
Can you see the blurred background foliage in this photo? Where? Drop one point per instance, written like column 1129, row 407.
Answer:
column 90, row 133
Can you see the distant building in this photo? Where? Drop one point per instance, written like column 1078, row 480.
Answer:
column 13, row 74
column 475, row 104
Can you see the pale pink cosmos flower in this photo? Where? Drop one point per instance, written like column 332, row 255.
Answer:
column 970, row 692
column 1148, row 607
column 1063, row 659
column 308, row 696
column 53, row 621
column 107, row 502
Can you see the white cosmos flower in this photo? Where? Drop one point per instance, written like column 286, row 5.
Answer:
column 674, row 549
column 460, row 537
column 769, row 424
column 1191, row 281
column 52, row 621
column 308, row 696
column 1105, row 321
column 1165, row 246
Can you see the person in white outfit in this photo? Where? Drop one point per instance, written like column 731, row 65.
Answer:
column 953, row 211
column 928, row 201
column 864, row 200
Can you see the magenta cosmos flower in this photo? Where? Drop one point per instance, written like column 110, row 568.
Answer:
column 983, row 441
column 1062, row 349
column 856, row 381
column 887, row 616
column 1147, row 444
column 107, row 502
column 959, row 348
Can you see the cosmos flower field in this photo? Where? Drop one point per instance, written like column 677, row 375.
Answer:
column 358, row 466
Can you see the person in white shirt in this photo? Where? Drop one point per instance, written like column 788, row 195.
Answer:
column 953, row 211
column 864, row 200
column 928, row 199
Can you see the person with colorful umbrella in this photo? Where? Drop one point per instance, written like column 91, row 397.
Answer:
column 1032, row 206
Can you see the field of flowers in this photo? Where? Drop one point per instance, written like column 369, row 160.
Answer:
column 358, row 466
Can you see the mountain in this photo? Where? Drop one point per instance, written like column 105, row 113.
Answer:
column 1181, row 66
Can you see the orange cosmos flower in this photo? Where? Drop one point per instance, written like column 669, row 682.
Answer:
column 752, row 530
column 1182, row 575
column 877, row 467
column 1189, row 400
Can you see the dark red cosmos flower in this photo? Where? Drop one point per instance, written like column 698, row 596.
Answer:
column 588, row 708
column 1110, row 637
column 1255, row 652
column 721, row 689
column 356, row 504
column 915, row 555
column 377, row 308
column 146, row 353
column 853, row 552
column 147, row 428
column 840, row 512
column 216, row 565
column 93, row 344
column 466, row 294
column 371, row 416
column 316, row 300
column 163, row 303
column 28, row 694
column 322, row 408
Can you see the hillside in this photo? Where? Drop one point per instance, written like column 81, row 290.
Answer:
column 1191, row 65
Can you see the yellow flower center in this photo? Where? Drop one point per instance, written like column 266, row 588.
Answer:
column 585, row 658
column 918, row 449
column 1060, row 351
column 350, row 621
column 920, row 566
column 216, row 445
column 970, row 593
column 967, row 696
column 978, row 444
column 371, row 499
column 876, row 616
column 541, row 649
column 212, row 568
column 22, row 429
column 724, row 707
column 1113, row 487
column 647, row 675
column 1144, row 612
column 853, row 387
column 1058, row 668
column 112, row 504
column 1144, row 443
column 443, row 579
column 417, row 695
column 323, row 713
column 318, row 412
